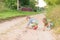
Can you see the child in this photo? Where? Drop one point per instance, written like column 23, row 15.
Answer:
column 32, row 23
column 47, row 24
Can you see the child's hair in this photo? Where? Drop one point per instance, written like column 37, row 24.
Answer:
column 28, row 17
column 45, row 21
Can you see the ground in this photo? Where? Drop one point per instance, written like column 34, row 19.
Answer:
column 14, row 30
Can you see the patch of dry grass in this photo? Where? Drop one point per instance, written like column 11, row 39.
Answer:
column 54, row 15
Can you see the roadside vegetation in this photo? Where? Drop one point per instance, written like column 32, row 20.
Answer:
column 53, row 13
column 8, row 8
column 7, row 14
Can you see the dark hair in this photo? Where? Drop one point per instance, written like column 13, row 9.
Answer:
column 45, row 21
column 28, row 17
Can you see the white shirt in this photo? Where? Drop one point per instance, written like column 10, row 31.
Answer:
column 41, row 3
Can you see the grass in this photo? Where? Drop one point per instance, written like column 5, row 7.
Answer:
column 54, row 14
column 11, row 13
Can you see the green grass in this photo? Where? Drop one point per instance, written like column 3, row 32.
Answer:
column 11, row 13
column 54, row 15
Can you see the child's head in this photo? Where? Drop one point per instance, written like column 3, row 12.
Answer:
column 28, row 17
column 44, row 20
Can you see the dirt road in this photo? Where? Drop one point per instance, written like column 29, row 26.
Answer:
column 13, row 30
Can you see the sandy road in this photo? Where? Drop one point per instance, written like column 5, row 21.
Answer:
column 13, row 30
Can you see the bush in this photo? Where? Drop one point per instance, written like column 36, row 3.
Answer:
column 53, row 2
column 12, row 4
